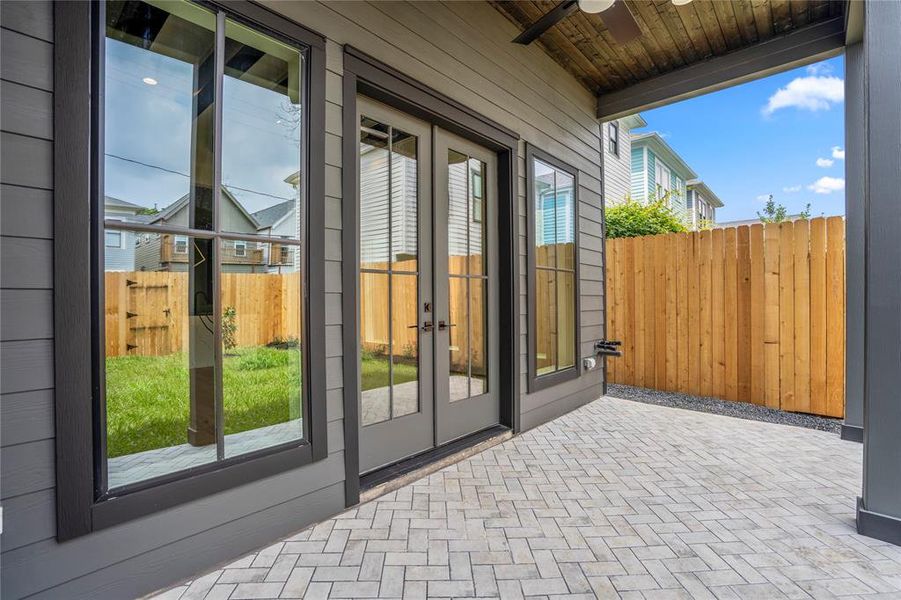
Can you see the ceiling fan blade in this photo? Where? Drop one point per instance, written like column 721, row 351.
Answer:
column 548, row 20
column 620, row 23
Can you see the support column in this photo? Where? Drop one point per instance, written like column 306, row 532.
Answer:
column 855, row 219
column 879, row 509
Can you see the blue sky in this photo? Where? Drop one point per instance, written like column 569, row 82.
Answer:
column 782, row 135
column 151, row 123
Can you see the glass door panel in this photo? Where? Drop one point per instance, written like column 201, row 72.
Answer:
column 395, row 298
column 466, row 366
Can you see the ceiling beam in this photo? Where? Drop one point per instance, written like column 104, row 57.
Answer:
column 797, row 48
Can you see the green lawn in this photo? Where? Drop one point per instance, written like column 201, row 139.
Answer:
column 147, row 396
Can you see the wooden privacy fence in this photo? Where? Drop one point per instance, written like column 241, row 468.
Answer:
column 147, row 312
column 752, row 314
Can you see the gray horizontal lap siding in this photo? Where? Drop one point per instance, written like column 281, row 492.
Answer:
column 462, row 50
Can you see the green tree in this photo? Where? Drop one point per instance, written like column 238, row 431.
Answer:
column 777, row 213
column 633, row 219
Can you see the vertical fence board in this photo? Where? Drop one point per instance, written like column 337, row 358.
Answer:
column 743, row 307
column 772, row 324
column 640, row 338
column 694, row 315
column 818, row 292
column 757, row 347
column 628, row 273
column 660, row 305
column 672, row 313
column 835, row 311
column 648, row 315
column 684, row 362
column 718, row 321
column 705, row 258
column 730, row 315
column 786, row 316
column 802, row 315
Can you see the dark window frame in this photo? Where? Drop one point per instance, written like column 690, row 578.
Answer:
column 78, row 272
column 541, row 382
column 613, row 137
column 370, row 77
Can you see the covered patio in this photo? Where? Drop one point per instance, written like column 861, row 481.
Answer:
column 667, row 503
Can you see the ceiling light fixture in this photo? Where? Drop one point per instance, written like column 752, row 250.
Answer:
column 150, row 81
column 681, row 2
column 595, row 6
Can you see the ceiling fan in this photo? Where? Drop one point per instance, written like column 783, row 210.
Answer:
column 616, row 16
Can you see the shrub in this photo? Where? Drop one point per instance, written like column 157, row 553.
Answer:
column 633, row 219
column 229, row 328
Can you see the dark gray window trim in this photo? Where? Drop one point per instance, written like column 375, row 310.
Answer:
column 366, row 75
column 76, row 232
column 537, row 383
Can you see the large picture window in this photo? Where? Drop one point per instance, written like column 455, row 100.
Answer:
column 203, row 341
column 553, row 270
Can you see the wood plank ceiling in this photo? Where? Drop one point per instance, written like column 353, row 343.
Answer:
column 672, row 36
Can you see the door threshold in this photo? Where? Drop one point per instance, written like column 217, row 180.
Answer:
column 390, row 478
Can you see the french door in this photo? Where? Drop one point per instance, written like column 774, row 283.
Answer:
column 428, row 353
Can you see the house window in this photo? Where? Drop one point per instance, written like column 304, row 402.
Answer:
column 663, row 176
column 553, row 270
column 477, row 193
column 191, row 96
column 112, row 239
column 613, row 137
column 285, row 255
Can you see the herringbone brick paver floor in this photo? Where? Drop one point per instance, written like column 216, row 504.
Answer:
column 614, row 500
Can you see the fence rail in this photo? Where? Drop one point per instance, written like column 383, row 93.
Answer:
column 752, row 314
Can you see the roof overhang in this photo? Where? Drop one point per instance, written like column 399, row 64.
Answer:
column 795, row 49
column 654, row 142
column 634, row 121
column 697, row 184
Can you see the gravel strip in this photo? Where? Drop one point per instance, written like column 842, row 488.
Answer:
column 740, row 410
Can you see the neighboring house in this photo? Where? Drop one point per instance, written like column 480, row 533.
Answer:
column 617, row 141
column 282, row 221
column 659, row 172
column 553, row 213
column 701, row 203
column 379, row 181
column 168, row 252
column 119, row 245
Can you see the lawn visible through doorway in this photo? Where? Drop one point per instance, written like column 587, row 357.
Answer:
column 147, row 396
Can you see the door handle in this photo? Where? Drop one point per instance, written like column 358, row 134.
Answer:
column 426, row 326
column 442, row 325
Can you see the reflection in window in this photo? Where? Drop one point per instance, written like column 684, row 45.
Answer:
column 113, row 239
column 389, row 278
column 467, row 278
column 200, row 364
column 553, row 196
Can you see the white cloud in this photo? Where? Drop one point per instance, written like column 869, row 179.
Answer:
column 827, row 185
column 838, row 153
column 825, row 162
column 763, row 197
column 822, row 68
column 791, row 189
column 807, row 93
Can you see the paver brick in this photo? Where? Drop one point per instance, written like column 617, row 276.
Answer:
column 615, row 500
